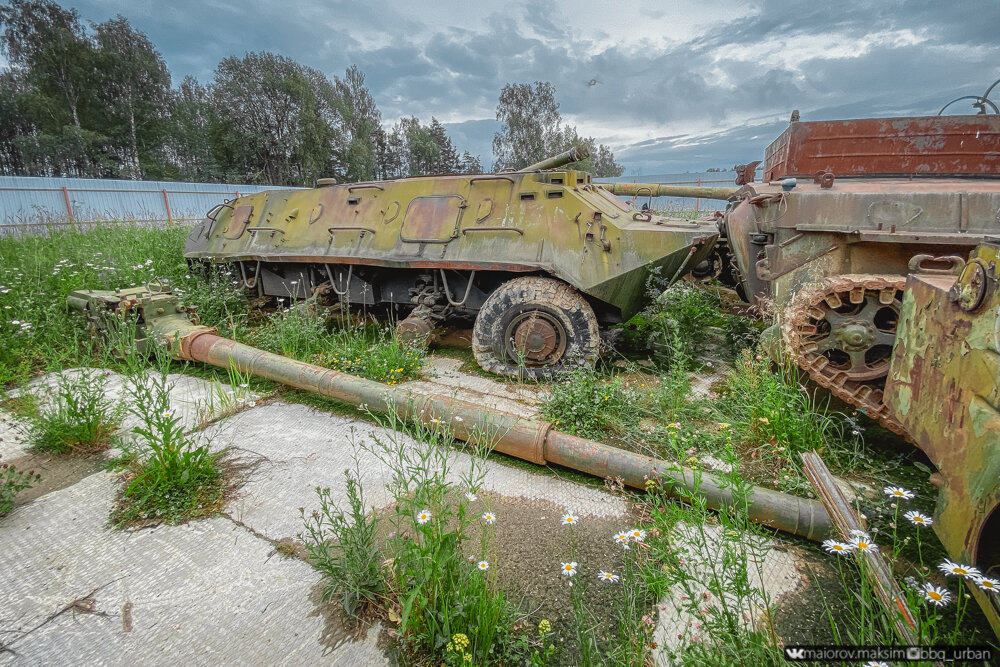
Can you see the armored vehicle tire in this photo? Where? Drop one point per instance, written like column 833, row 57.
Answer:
column 535, row 328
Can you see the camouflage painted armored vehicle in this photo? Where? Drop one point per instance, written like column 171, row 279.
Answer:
column 541, row 259
column 943, row 388
column 827, row 240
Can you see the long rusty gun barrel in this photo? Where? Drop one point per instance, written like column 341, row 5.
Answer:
column 664, row 190
column 161, row 317
column 574, row 154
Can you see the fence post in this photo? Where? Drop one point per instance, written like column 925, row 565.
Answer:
column 69, row 209
column 697, row 201
column 166, row 202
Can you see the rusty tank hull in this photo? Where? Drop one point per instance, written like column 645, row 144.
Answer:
column 541, row 260
column 943, row 388
column 826, row 243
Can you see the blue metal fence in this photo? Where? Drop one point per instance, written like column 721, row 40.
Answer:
column 30, row 202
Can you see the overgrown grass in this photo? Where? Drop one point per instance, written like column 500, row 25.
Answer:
column 80, row 419
column 168, row 478
column 342, row 544
column 449, row 607
column 38, row 272
column 367, row 350
column 774, row 418
column 586, row 404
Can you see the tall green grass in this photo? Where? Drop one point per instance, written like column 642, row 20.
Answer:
column 38, row 272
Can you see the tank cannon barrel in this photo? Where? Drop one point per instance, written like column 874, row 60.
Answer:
column 164, row 320
column 574, row 154
column 662, row 190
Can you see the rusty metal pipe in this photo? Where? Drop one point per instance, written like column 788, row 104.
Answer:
column 661, row 190
column 528, row 439
column 574, row 154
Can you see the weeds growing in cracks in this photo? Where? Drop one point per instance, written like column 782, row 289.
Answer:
column 168, row 476
column 80, row 418
column 438, row 579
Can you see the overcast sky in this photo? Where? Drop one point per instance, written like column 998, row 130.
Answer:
column 679, row 85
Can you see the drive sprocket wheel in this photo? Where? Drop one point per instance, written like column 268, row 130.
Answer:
column 841, row 331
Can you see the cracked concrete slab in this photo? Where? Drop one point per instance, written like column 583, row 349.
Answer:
column 207, row 592
column 304, row 449
column 210, row 591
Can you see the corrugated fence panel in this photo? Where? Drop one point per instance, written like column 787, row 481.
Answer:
column 31, row 201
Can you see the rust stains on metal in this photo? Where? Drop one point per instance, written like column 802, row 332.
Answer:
column 943, row 387
column 942, row 145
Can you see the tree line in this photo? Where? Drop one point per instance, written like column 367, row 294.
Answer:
column 97, row 100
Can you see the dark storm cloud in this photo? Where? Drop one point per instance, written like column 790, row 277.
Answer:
column 714, row 98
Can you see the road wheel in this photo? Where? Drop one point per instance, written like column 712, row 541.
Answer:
column 535, row 328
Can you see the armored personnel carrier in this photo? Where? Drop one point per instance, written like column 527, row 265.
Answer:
column 541, row 259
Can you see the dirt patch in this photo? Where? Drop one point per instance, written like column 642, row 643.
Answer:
column 529, row 548
column 57, row 470
column 802, row 617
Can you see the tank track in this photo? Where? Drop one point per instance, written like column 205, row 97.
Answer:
column 805, row 330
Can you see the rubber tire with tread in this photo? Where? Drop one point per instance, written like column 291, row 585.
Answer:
column 535, row 293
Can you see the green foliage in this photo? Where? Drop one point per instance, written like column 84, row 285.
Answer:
column 12, row 482
column 366, row 350
column 342, row 546
column 742, row 333
column 372, row 352
column 98, row 102
column 81, row 418
column 440, row 593
column 168, row 478
column 531, row 130
column 774, row 418
column 706, row 565
column 674, row 327
column 584, row 404
column 298, row 332
column 38, row 272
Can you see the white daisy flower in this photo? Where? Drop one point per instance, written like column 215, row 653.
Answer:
column 252, row 404
column 936, row 595
column 637, row 535
column 489, row 518
column 458, row 419
column 951, row 569
column 621, row 538
column 864, row 544
column 483, row 565
column 989, row 585
column 436, row 420
column 918, row 518
column 569, row 569
column 875, row 663
column 423, row 516
column 168, row 413
column 471, row 496
column 608, row 577
column 569, row 520
column 839, row 548
column 899, row 493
